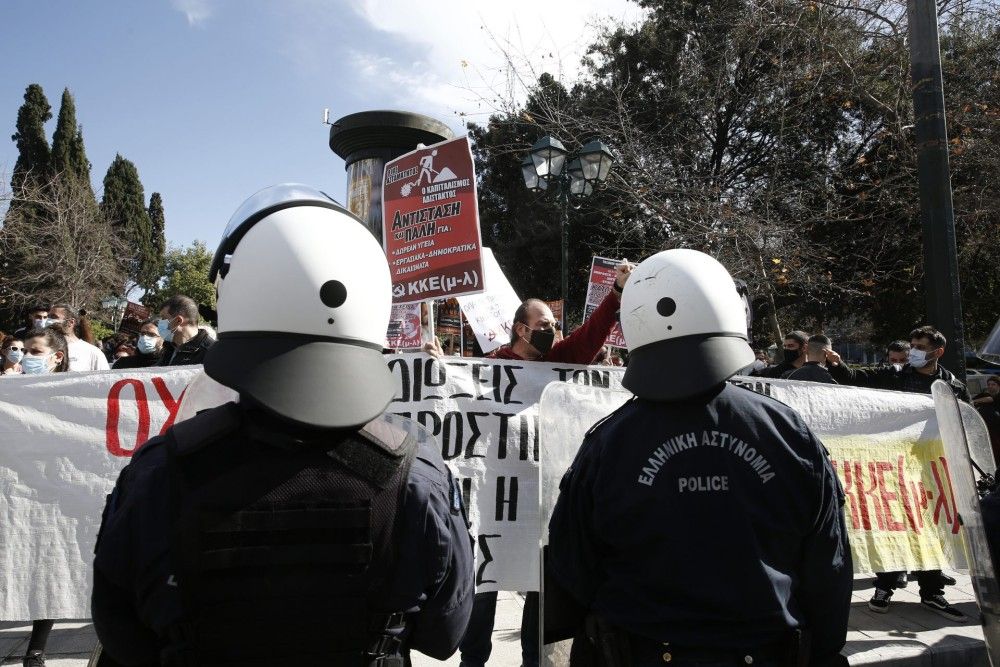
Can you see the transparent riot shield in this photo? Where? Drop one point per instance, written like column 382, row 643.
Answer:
column 965, row 437
column 565, row 413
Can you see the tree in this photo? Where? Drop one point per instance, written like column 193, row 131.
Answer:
column 186, row 272
column 158, row 239
column 124, row 206
column 32, row 166
column 72, row 258
column 69, row 157
column 777, row 137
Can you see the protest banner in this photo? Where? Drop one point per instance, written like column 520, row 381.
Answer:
column 66, row 438
column 404, row 331
column 602, row 280
column 430, row 217
column 491, row 314
column 134, row 316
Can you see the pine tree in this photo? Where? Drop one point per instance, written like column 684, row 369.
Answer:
column 32, row 145
column 124, row 207
column 158, row 239
column 69, row 158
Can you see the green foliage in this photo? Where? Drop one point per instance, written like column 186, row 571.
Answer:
column 69, row 157
column 185, row 272
column 101, row 329
column 158, row 239
column 32, row 145
column 124, row 206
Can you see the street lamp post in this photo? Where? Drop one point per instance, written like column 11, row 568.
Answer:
column 550, row 167
column 114, row 304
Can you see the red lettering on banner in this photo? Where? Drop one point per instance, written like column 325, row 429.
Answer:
column 943, row 495
column 864, row 494
column 168, row 400
column 905, row 495
column 852, row 502
column 887, row 497
column 951, row 494
column 112, row 440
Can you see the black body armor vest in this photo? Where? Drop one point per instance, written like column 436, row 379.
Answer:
column 282, row 541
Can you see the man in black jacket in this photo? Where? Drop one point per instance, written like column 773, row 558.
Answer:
column 917, row 376
column 184, row 343
column 793, row 356
column 814, row 370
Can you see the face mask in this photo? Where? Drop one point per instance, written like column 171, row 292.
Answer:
column 146, row 344
column 14, row 356
column 918, row 358
column 542, row 340
column 163, row 326
column 790, row 355
column 32, row 365
column 759, row 365
column 898, row 367
column 42, row 322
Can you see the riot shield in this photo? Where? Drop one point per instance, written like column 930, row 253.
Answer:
column 565, row 412
column 963, row 432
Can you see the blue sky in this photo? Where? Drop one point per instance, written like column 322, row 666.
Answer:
column 216, row 99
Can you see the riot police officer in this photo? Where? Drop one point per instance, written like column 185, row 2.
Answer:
column 298, row 525
column 700, row 522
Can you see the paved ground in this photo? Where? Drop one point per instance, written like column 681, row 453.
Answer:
column 908, row 635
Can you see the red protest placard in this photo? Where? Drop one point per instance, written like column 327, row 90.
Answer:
column 430, row 218
column 404, row 328
column 602, row 278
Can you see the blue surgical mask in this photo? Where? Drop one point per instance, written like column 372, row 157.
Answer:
column 146, row 344
column 163, row 326
column 32, row 365
column 918, row 358
column 14, row 356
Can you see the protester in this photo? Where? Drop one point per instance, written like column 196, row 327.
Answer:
column 184, row 342
column 36, row 318
column 793, row 356
column 916, row 376
column 897, row 353
column 301, row 525
column 149, row 348
column 83, row 356
column 677, row 548
column 988, row 405
column 11, row 351
column 536, row 337
column 46, row 350
column 814, row 370
column 760, row 361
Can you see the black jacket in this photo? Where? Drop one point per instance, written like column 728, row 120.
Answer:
column 811, row 371
column 191, row 352
column 138, row 361
column 906, row 379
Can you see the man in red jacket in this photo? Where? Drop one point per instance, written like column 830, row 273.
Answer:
column 534, row 337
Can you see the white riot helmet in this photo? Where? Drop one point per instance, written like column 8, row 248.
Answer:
column 685, row 325
column 304, row 296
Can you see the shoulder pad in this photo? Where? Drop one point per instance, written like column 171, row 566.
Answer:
column 205, row 428
column 390, row 432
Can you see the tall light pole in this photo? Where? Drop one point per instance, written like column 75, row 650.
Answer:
column 545, row 169
column 941, row 287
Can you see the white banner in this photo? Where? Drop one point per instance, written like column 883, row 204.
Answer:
column 491, row 314
column 65, row 438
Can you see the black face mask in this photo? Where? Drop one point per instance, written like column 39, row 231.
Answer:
column 790, row 355
column 542, row 340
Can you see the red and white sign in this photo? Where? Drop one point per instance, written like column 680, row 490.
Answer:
column 430, row 223
column 404, row 328
column 602, row 279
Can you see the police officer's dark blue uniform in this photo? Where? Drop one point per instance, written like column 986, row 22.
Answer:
column 300, row 524
column 701, row 519
column 136, row 602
